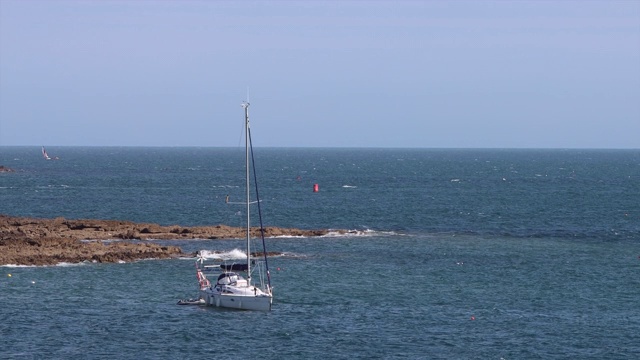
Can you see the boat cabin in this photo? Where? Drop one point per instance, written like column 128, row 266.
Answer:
column 230, row 279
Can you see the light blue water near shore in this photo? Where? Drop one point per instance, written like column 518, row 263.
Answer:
column 461, row 254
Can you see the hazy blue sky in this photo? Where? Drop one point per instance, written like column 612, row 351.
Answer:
column 541, row 74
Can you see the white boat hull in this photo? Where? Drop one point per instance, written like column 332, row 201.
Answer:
column 260, row 302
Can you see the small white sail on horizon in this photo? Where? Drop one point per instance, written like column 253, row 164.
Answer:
column 44, row 154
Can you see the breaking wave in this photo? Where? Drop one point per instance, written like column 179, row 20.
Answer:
column 237, row 254
column 223, row 255
column 359, row 233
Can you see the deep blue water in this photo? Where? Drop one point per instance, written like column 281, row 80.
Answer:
column 483, row 254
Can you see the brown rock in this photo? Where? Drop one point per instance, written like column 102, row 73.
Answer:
column 30, row 241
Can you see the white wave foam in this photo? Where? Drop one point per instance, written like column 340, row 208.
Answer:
column 62, row 264
column 66, row 264
column 359, row 233
column 290, row 255
column 341, row 233
column 17, row 266
column 287, row 237
column 349, row 186
column 229, row 255
column 62, row 186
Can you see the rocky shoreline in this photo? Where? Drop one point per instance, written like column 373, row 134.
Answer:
column 31, row 241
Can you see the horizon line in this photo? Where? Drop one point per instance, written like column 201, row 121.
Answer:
column 333, row 147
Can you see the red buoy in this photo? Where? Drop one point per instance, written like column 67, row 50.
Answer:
column 315, row 188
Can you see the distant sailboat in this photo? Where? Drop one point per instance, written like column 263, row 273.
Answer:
column 46, row 156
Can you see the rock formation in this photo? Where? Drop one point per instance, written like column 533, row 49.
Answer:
column 30, row 241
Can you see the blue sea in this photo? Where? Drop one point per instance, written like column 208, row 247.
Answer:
column 454, row 254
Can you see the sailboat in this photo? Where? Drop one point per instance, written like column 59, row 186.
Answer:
column 44, row 154
column 244, row 285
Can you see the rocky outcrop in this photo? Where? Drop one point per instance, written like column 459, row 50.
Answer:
column 51, row 251
column 5, row 169
column 30, row 241
column 114, row 229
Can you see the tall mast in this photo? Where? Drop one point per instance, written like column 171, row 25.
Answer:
column 245, row 105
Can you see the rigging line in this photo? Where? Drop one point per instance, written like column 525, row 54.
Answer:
column 241, row 202
column 241, row 134
column 255, row 181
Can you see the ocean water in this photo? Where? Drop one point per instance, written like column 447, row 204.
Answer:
column 487, row 254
